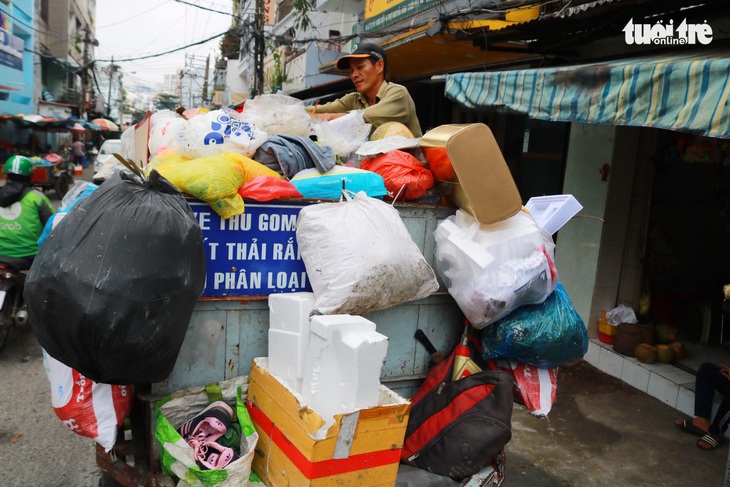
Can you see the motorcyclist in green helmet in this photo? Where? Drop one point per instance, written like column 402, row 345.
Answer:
column 23, row 214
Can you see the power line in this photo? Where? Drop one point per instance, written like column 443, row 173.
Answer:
column 135, row 16
column 149, row 56
column 208, row 9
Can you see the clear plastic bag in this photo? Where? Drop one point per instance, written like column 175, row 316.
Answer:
column 277, row 114
column 491, row 270
column 164, row 127
column 344, row 134
column 621, row 314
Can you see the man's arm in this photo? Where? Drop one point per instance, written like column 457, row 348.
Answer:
column 45, row 209
column 341, row 105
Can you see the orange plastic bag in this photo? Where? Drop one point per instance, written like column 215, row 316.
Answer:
column 439, row 162
column 267, row 188
column 400, row 169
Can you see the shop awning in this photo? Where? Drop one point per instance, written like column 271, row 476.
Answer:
column 686, row 92
column 417, row 54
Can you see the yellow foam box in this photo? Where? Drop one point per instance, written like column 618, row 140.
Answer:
column 360, row 448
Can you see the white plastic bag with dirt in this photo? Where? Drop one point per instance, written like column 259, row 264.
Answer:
column 360, row 257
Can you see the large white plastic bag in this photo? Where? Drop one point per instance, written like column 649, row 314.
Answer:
column 277, row 114
column 345, row 134
column 360, row 257
column 491, row 270
column 216, row 132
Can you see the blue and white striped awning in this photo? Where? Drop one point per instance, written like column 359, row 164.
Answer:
column 682, row 92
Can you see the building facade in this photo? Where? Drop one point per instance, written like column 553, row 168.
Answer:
column 17, row 28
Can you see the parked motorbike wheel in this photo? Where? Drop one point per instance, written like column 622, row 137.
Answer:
column 63, row 183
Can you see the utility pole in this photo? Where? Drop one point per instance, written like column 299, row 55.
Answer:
column 259, row 47
column 205, row 81
column 84, row 73
column 112, row 70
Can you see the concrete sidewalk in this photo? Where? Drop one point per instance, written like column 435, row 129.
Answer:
column 604, row 432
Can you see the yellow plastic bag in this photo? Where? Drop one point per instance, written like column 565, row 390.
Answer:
column 213, row 179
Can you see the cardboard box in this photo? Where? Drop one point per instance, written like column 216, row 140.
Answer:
column 485, row 188
column 361, row 448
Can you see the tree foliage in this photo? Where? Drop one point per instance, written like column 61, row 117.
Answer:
column 165, row 101
column 303, row 7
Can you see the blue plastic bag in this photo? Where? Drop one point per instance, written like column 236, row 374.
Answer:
column 546, row 335
column 80, row 191
column 311, row 184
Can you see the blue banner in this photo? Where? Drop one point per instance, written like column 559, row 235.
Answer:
column 253, row 254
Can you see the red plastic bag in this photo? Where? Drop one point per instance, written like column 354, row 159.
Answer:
column 267, row 188
column 86, row 407
column 400, row 169
column 535, row 386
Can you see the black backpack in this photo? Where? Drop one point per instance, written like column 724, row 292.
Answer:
column 456, row 428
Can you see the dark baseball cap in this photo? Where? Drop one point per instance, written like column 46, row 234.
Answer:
column 363, row 51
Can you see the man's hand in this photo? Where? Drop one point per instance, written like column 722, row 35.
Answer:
column 724, row 370
column 328, row 116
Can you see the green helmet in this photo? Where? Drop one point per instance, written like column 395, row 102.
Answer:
column 19, row 165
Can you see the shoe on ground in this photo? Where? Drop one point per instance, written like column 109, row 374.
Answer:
column 209, row 455
column 209, row 425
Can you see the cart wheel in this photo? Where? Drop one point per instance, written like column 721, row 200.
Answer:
column 63, row 183
column 107, row 480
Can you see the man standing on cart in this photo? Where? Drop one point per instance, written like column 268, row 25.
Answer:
column 23, row 214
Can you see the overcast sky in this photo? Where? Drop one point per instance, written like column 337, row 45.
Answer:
column 135, row 28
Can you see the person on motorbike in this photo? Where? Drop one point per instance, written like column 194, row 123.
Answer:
column 23, row 214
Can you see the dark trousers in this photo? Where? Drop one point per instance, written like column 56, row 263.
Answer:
column 709, row 379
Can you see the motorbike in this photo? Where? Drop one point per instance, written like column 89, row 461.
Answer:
column 56, row 172
column 12, row 306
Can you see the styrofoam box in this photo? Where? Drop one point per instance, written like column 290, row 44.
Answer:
column 552, row 212
column 290, row 311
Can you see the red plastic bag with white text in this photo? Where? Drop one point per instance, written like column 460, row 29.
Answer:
column 86, row 407
column 267, row 188
column 399, row 169
column 535, row 386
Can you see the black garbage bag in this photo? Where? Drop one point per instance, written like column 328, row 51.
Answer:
column 111, row 291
